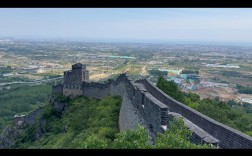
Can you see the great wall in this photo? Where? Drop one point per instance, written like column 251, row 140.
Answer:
column 145, row 104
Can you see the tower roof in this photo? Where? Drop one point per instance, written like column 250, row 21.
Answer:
column 78, row 66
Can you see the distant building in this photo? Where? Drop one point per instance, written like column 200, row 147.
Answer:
column 247, row 100
column 189, row 87
column 222, row 66
column 206, row 84
column 123, row 57
column 221, row 84
column 193, row 78
column 8, row 74
column 184, row 76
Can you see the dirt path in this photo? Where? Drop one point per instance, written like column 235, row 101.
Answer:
column 144, row 71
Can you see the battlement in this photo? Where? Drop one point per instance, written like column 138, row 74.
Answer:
column 23, row 120
column 78, row 74
column 228, row 137
column 78, row 66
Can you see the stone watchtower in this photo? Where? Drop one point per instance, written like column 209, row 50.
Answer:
column 78, row 74
column 19, row 120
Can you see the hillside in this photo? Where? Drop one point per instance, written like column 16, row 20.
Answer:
column 21, row 100
column 92, row 123
column 238, row 116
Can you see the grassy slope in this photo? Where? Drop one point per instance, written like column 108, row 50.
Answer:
column 21, row 101
column 84, row 117
column 91, row 123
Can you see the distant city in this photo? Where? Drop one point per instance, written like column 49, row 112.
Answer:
column 211, row 71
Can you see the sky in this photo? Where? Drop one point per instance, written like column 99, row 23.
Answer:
column 129, row 24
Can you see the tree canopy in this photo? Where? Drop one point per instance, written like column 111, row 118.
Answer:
column 232, row 114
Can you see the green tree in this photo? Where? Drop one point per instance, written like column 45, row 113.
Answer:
column 177, row 136
column 94, row 142
column 132, row 139
column 92, row 123
column 22, row 100
column 249, row 133
column 170, row 88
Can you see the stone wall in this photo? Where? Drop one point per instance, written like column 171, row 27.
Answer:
column 72, row 90
column 19, row 120
column 199, row 136
column 144, row 104
column 57, row 89
column 228, row 137
column 129, row 117
column 31, row 117
column 23, row 120
column 153, row 113
column 96, row 90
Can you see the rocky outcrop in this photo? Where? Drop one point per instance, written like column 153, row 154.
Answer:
column 59, row 106
column 9, row 135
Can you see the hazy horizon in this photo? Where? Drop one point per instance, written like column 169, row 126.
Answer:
column 147, row 25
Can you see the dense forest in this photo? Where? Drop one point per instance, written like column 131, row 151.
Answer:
column 21, row 101
column 90, row 123
column 238, row 116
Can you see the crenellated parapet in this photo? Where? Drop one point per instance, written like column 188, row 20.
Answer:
column 227, row 136
column 23, row 120
column 78, row 74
